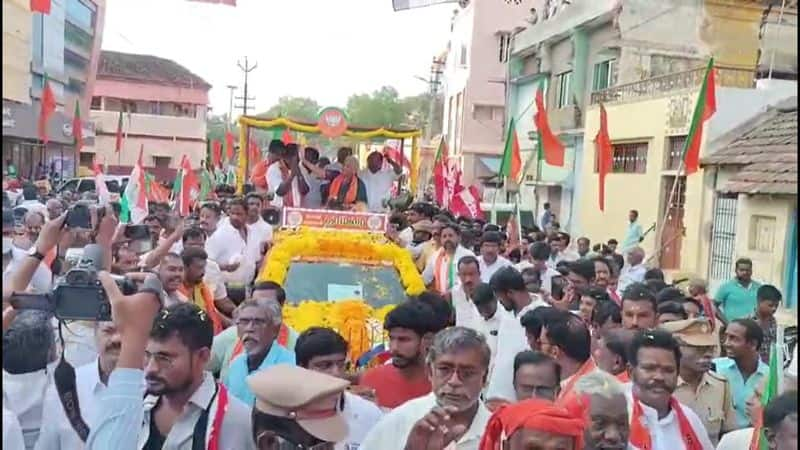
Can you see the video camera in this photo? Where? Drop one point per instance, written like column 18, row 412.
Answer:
column 78, row 295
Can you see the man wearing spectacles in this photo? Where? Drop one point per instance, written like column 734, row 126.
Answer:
column 258, row 324
column 453, row 415
column 536, row 375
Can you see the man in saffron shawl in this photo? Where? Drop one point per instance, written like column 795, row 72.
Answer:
column 347, row 191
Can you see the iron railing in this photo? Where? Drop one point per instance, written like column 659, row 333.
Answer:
column 665, row 84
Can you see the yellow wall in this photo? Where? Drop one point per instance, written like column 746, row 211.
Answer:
column 17, row 24
column 768, row 266
column 730, row 31
column 645, row 120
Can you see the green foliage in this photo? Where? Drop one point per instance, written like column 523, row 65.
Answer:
column 296, row 108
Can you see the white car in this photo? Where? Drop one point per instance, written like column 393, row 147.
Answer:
column 115, row 183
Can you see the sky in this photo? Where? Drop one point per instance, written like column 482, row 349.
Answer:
column 323, row 49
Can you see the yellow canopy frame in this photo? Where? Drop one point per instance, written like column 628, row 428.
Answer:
column 365, row 133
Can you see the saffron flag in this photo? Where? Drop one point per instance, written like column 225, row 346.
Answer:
column 134, row 200
column 440, row 171
column 186, row 188
column 759, row 440
column 229, row 147
column 467, row 203
column 551, row 150
column 286, row 137
column 255, row 153
column 705, row 108
column 103, row 197
column 40, row 6
column 605, row 155
column 118, row 144
column 77, row 127
column 216, row 153
column 511, row 165
column 46, row 109
column 397, row 156
column 155, row 191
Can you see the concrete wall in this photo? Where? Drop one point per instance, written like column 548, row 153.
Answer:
column 769, row 265
column 17, row 26
column 149, row 92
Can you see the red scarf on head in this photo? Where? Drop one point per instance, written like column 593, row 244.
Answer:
column 534, row 414
column 640, row 435
column 352, row 191
column 283, row 340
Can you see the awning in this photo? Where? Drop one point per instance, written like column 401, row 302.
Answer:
column 491, row 164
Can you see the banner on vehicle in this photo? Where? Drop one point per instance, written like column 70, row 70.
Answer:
column 334, row 220
column 400, row 5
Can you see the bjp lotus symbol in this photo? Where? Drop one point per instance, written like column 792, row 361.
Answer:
column 332, row 122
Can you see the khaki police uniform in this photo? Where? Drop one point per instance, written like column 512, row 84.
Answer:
column 712, row 399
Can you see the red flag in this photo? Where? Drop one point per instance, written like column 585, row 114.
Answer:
column 511, row 166
column 440, row 172
column 467, row 203
column 41, row 6
column 216, row 153
column 77, row 127
column 255, row 153
column 551, row 148
column 605, row 155
column 396, row 156
column 229, row 146
column 47, row 108
column 189, row 188
column 705, row 108
column 118, row 144
column 286, row 137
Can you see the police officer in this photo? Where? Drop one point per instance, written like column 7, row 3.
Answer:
column 699, row 388
column 297, row 408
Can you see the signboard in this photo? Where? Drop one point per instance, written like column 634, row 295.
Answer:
column 332, row 122
column 335, row 220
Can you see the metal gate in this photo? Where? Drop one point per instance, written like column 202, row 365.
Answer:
column 723, row 239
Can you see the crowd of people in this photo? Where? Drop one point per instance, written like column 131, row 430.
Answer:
column 524, row 339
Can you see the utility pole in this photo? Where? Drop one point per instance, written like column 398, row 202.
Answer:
column 230, row 108
column 246, row 68
column 435, row 82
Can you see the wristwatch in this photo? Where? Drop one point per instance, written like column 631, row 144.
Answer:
column 34, row 252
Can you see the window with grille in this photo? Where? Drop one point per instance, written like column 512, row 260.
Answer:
column 161, row 162
column 630, row 158
column 564, row 90
column 505, row 46
column 603, row 75
column 674, row 152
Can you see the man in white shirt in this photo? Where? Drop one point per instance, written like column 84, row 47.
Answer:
column 258, row 230
column 379, row 181
column 30, row 200
column 633, row 272
column 12, row 432
column 324, row 350
column 539, row 252
column 441, row 271
column 90, row 381
column 667, row 423
column 491, row 314
column 509, row 288
column 490, row 259
column 285, row 180
column 29, row 355
column 232, row 247
column 560, row 250
column 454, row 403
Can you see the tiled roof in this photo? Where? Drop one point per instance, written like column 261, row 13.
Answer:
column 765, row 152
column 147, row 69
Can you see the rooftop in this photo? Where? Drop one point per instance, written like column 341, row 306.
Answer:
column 764, row 151
column 147, row 69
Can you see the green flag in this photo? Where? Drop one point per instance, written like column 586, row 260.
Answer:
column 759, row 441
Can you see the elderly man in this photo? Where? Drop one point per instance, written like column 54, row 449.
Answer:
column 457, row 365
column 533, row 424
column 57, row 433
column 347, row 190
column 258, row 324
column 601, row 401
column 54, row 208
column 634, row 271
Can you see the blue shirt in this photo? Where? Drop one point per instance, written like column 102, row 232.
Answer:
column 236, row 381
column 121, row 412
column 737, row 301
column 632, row 236
column 741, row 389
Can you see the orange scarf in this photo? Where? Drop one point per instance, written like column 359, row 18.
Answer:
column 443, row 284
column 640, row 435
column 283, row 340
column 532, row 414
column 566, row 392
column 624, row 377
column 352, row 191
column 201, row 296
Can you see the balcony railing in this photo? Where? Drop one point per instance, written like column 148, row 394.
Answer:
column 665, row 84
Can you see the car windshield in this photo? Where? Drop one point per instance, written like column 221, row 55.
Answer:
column 378, row 285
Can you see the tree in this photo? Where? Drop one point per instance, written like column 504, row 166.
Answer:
column 296, row 108
column 216, row 127
column 381, row 108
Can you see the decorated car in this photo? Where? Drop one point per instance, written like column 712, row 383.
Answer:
column 339, row 271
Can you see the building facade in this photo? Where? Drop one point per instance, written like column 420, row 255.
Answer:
column 64, row 46
column 164, row 108
column 658, row 72
column 475, row 81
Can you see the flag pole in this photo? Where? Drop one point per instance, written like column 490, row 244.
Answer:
column 519, row 217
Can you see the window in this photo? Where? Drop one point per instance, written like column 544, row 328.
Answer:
column 564, row 92
column 674, row 152
column 462, row 59
column 482, row 112
column 603, row 75
column 161, row 162
column 762, row 233
column 630, row 158
column 86, row 185
column 80, row 14
column 87, row 158
column 97, row 103
column 505, row 46
column 128, row 106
